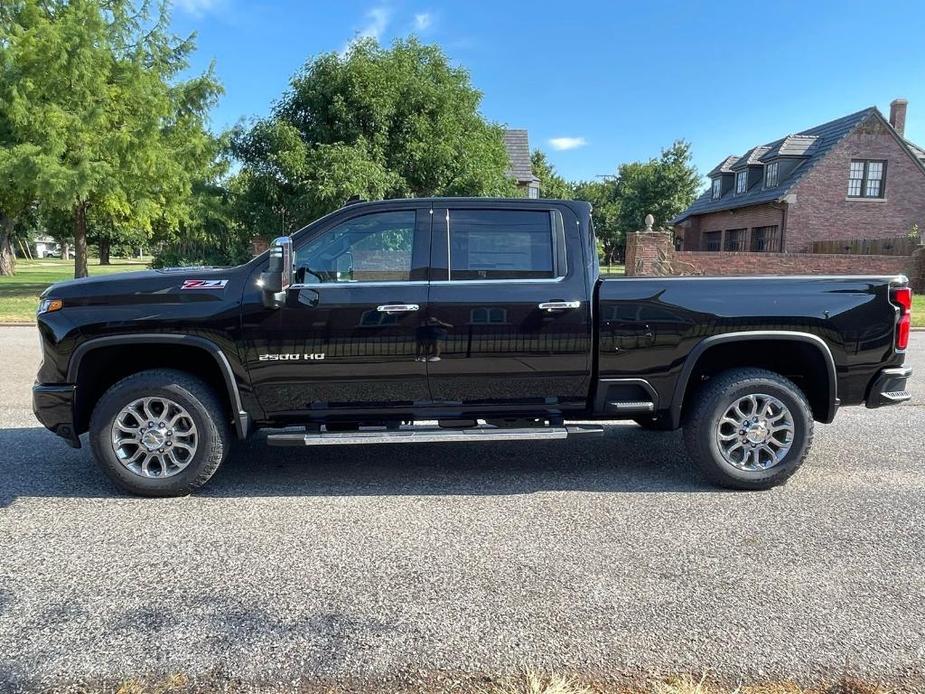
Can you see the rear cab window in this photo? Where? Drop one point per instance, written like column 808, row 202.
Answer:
column 472, row 245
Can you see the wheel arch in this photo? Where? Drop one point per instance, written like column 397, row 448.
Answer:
column 204, row 352
column 824, row 401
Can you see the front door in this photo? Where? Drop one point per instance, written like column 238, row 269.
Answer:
column 509, row 320
column 345, row 341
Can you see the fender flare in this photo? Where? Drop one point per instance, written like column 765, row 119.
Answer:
column 241, row 417
column 782, row 335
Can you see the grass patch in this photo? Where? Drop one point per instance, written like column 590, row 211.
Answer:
column 19, row 294
column 918, row 310
column 613, row 269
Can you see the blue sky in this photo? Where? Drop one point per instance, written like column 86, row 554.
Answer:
column 599, row 83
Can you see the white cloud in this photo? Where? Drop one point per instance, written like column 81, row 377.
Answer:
column 377, row 21
column 197, row 8
column 422, row 21
column 564, row 143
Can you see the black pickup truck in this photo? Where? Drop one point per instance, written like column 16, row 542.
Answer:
column 463, row 320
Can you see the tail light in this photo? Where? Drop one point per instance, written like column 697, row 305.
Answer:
column 902, row 297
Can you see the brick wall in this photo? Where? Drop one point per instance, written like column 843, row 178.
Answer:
column 794, row 264
column 823, row 211
column 745, row 218
column 651, row 254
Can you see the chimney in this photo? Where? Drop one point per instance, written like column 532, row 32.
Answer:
column 898, row 115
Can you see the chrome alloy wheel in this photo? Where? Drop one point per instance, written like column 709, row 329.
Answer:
column 755, row 433
column 154, row 437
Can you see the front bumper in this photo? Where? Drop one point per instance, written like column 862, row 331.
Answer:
column 889, row 388
column 54, row 407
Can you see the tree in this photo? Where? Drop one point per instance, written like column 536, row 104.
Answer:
column 662, row 187
column 91, row 86
column 377, row 123
column 602, row 194
column 552, row 185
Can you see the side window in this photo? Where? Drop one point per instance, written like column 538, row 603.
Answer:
column 504, row 244
column 376, row 247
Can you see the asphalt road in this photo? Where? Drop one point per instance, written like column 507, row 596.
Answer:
column 607, row 555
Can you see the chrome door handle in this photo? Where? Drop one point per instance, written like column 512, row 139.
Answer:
column 559, row 305
column 398, row 308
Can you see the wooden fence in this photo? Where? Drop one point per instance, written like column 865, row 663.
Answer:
column 902, row 245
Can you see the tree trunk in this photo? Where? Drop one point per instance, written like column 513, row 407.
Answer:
column 7, row 258
column 65, row 250
column 80, row 240
column 104, row 251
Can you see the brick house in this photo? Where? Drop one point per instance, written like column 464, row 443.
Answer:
column 856, row 177
column 517, row 145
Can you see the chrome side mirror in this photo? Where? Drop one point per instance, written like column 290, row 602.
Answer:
column 278, row 276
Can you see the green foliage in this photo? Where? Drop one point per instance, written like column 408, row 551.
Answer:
column 377, row 123
column 101, row 125
column 605, row 215
column 552, row 185
column 662, row 187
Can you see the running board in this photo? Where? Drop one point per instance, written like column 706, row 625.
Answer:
column 432, row 434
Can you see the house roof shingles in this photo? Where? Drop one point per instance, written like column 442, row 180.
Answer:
column 518, row 152
column 810, row 145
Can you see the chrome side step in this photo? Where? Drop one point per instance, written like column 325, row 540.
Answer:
column 641, row 406
column 432, row 434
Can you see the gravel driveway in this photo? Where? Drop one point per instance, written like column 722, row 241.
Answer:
column 606, row 555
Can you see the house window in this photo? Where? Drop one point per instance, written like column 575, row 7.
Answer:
column 735, row 240
column 766, row 239
column 866, row 178
column 717, row 188
column 712, row 240
column 770, row 174
column 741, row 182
column 533, row 191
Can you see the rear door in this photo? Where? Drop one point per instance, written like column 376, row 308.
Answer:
column 509, row 320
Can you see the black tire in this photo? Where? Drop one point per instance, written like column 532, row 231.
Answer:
column 192, row 394
column 658, row 423
column 712, row 401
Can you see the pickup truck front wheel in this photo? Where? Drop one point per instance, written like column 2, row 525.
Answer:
column 749, row 429
column 159, row 433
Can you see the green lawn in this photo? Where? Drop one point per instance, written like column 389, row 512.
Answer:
column 613, row 269
column 19, row 295
column 918, row 310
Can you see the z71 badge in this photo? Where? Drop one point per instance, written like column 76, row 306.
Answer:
column 204, row 284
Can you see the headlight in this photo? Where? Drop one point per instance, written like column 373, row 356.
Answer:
column 49, row 305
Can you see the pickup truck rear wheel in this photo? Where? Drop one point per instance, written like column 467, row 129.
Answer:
column 749, row 429
column 159, row 433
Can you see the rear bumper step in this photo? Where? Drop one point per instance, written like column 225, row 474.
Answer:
column 889, row 388
column 432, row 434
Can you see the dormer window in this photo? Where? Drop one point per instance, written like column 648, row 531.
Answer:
column 717, row 188
column 741, row 182
column 770, row 174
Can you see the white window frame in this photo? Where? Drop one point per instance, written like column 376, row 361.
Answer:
column 742, row 182
column 768, row 168
column 866, row 179
column 717, row 189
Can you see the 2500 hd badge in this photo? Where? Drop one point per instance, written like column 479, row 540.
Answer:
column 292, row 357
